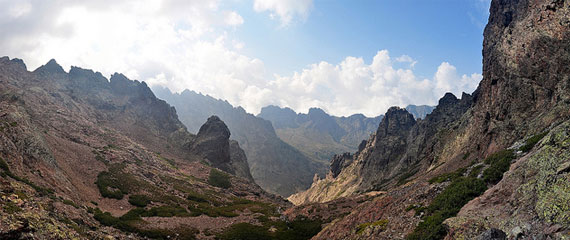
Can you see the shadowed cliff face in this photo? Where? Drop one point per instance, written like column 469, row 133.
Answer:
column 213, row 143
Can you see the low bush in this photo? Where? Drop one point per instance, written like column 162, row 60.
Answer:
column 475, row 171
column 219, row 179
column 499, row 164
column 298, row 229
column 139, row 200
column 447, row 204
column 166, row 211
column 529, row 143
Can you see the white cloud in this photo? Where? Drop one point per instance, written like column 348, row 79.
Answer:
column 407, row 59
column 446, row 79
column 286, row 10
column 354, row 86
column 232, row 18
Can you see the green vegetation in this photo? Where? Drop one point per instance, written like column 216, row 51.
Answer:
column 529, row 143
column 475, row 171
column 418, row 208
column 11, row 208
column 466, row 155
column 298, row 229
column 115, row 183
column 499, row 164
column 219, row 179
column 380, row 223
column 448, row 176
column 139, row 200
column 166, row 211
column 446, row 205
column 131, row 222
column 70, row 203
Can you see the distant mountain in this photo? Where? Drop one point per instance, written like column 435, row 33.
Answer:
column 275, row 165
column 420, row 111
column 318, row 134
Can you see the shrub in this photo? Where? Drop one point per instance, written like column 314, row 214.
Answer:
column 445, row 205
column 219, row 179
column 475, row 171
column 529, row 143
column 139, row 200
column 166, row 211
column 194, row 196
column 70, row 203
column 499, row 164
column 245, row 231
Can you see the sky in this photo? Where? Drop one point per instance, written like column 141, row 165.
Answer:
column 343, row 56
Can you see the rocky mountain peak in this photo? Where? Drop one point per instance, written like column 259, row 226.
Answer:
column 51, row 67
column 395, row 122
column 214, row 127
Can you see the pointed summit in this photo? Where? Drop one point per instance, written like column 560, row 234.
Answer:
column 51, row 67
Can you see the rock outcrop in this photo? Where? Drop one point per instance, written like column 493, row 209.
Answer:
column 213, row 143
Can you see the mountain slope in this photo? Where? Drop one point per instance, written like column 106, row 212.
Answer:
column 467, row 146
column 275, row 165
column 86, row 157
column 317, row 134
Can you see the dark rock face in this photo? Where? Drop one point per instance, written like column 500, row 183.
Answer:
column 51, row 67
column 339, row 162
column 213, row 143
column 239, row 161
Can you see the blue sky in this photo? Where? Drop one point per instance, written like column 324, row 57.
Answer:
column 347, row 57
column 430, row 31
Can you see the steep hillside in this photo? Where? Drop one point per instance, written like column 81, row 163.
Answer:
column 317, row 134
column 275, row 165
column 431, row 168
column 90, row 158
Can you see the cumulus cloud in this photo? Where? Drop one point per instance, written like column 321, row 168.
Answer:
column 286, row 10
column 355, row 86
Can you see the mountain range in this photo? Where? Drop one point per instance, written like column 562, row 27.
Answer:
column 86, row 157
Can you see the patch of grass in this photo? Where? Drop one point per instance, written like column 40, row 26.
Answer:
column 196, row 197
column 529, row 143
column 219, row 179
column 499, row 164
column 139, row 200
column 448, row 176
column 380, row 223
column 447, row 204
column 70, row 203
